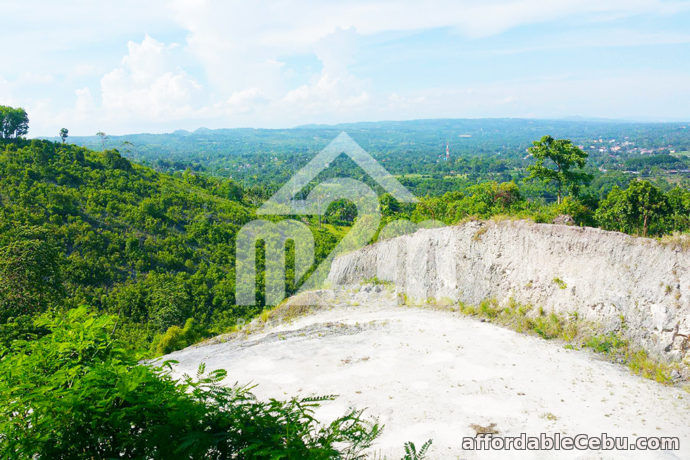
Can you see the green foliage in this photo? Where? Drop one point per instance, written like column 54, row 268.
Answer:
column 341, row 212
column 75, row 393
column 490, row 149
column 560, row 283
column 14, row 122
column 481, row 200
column 94, row 229
column 641, row 208
column 411, row 452
column 30, row 279
column 177, row 338
column 557, row 161
column 575, row 208
column 376, row 281
column 605, row 343
column 489, row 308
column 548, row 327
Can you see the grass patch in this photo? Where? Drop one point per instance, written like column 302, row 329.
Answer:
column 676, row 240
column 604, row 343
column 576, row 333
column 377, row 282
column 637, row 360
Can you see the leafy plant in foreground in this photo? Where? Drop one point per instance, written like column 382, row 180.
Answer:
column 75, row 393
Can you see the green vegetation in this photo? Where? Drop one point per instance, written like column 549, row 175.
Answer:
column 73, row 391
column 575, row 332
column 377, row 282
column 81, row 227
column 14, row 122
column 151, row 252
column 643, row 209
column 411, row 452
column 557, row 161
column 640, row 209
column 560, row 283
column 480, row 150
column 152, row 248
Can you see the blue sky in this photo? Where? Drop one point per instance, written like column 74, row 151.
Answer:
column 156, row 66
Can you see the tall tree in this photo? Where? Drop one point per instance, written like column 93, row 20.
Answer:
column 64, row 132
column 559, row 161
column 14, row 122
column 103, row 137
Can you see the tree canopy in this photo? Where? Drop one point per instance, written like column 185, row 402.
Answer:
column 14, row 122
column 557, row 161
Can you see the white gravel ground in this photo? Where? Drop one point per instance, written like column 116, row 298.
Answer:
column 432, row 374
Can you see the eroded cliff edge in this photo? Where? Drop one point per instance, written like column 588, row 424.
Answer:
column 638, row 286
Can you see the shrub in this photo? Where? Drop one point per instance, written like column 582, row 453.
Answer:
column 177, row 338
column 549, row 327
column 75, row 393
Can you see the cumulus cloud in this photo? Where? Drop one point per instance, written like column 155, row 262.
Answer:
column 149, row 84
column 232, row 62
column 244, row 101
column 335, row 89
column 241, row 45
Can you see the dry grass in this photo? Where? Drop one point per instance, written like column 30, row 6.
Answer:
column 676, row 240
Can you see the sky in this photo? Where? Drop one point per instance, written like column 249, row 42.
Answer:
column 157, row 66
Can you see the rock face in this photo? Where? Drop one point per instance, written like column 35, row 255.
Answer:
column 636, row 285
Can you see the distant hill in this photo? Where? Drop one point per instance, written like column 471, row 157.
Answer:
column 415, row 146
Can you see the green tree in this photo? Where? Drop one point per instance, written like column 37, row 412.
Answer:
column 341, row 212
column 679, row 208
column 637, row 209
column 64, row 132
column 389, row 205
column 30, row 280
column 14, row 122
column 556, row 162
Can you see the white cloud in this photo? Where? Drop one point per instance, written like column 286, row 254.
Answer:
column 232, row 64
column 241, row 44
column 301, row 23
column 327, row 94
column 244, row 101
column 335, row 89
column 149, row 84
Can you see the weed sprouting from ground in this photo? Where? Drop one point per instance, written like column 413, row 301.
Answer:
column 560, row 283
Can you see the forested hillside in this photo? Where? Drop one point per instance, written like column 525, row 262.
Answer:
column 151, row 248
column 101, row 263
